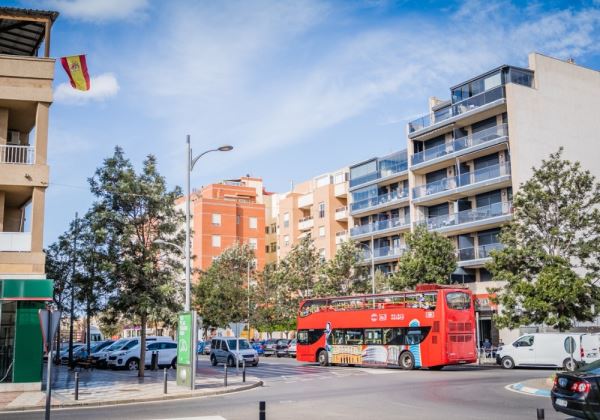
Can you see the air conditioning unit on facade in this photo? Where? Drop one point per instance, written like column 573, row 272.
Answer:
column 14, row 137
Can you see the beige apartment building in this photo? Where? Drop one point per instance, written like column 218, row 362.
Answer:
column 25, row 98
column 316, row 208
column 467, row 157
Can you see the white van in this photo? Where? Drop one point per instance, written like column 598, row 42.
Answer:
column 541, row 350
column 590, row 347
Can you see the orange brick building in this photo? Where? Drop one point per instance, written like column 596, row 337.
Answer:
column 225, row 213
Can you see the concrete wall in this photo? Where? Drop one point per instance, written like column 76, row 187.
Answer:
column 562, row 110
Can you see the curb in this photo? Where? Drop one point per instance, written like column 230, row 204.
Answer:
column 528, row 390
column 188, row 395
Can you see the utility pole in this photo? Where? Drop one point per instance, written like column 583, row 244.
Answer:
column 248, row 280
column 72, row 306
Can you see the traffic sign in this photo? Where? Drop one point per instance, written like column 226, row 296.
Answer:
column 49, row 323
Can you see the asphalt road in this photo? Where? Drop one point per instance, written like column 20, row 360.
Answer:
column 295, row 390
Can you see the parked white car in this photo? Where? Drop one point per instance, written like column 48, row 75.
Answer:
column 542, row 350
column 128, row 356
column 100, row 358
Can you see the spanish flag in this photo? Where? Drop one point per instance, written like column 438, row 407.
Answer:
column 76, row 68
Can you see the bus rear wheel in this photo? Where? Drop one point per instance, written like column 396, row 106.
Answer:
column 323, row 358
column 407, row 361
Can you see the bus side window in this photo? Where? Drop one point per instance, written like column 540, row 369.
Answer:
column 338, row 337
column 392, row 336
column 354, row 337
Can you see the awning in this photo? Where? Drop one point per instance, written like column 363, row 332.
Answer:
column 26, row 289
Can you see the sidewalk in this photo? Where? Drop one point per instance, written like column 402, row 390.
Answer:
column 100, row 387
column 539, row 387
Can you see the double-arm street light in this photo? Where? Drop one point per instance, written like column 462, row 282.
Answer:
column 191, row 161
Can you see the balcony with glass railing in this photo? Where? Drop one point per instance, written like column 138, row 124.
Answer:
column 459, row 108
column 472, row 254
column 379, row 201
column 341, row 213
column 380, row 226
column 381, row 253
column 386, row 169
column 472, row 216
column 461, row 145
column 20, row 155
column 484, row 175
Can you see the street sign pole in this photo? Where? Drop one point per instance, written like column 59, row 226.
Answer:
column 48, row 323
column 49, row 372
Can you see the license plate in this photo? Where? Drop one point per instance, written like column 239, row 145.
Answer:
column 561, row 402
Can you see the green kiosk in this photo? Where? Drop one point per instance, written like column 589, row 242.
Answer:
column 20, row 333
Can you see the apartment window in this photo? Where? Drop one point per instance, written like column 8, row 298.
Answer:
column 253, row 221
column 322, row 253
column 253, row 242
column 238, row 219
column 286, row 240
column 267, row 249
column 273, row 228
column 340, row 177
column 216, row 219
column 321, row 210
column 321, row 231
column 273, row 246
column 286, row 220
column 216, row 241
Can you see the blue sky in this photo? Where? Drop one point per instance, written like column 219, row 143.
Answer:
column 297, row 87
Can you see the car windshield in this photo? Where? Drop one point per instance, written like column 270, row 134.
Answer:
column 593, row 368
column 96, row 347
column 243, row 344
column 117, row 346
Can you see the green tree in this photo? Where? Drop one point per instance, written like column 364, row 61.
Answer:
column 136, row 210
column 90, row 277
column 264, row 299
column 342, row 275
column 550, row 260
column 430, row 258
column 221, row 294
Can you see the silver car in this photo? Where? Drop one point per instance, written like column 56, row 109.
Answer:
column 229, row 349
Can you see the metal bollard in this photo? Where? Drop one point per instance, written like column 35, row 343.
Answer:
column 154, row 361
column 243, row 371
column 165, row 381
column 262, row 410
column 540, row 414
column 76, row 386
column 225, row 377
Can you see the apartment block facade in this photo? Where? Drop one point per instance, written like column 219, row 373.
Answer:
column 224, row 214
column 316, row 208
column 25, row 98
column 467, row 157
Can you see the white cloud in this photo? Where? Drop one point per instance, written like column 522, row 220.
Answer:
column 102, row 87
column 98, row 10
column 265, row 76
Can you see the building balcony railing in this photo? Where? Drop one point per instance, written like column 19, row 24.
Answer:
column 385, row 170
column 306, row 223
column 23, row 155
column 381, row 225
column 468, row 178
column 475, row 253
column 341, row 237
column 382, row 252
column 341, row 190
column 468, row 216
column 458, row 108
column 461, row 143
column 376, row 201
column 15, row 241
column 341, row 213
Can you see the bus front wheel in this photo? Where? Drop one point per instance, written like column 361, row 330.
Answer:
column 407, row 361
column 323, row 358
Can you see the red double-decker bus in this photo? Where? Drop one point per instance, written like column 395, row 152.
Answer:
column 433, row 326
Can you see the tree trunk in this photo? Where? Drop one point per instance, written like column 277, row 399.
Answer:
column 144, row 320
column 88, row 333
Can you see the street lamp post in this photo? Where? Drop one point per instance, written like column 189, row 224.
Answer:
column 191, row 161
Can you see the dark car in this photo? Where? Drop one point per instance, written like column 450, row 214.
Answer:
column 269, row 347
column 281, row 348
column 577, row 393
